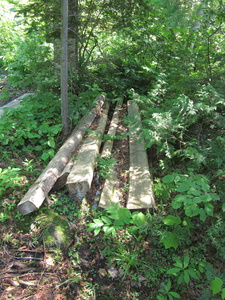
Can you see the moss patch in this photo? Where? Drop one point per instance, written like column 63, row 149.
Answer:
column 54, row 230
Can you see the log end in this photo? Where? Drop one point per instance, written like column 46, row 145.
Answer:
column 78, row 190
column 26, row 207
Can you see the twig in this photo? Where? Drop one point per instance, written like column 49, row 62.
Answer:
column 23, row 275
column 18, row 271
column 63, row 283
column 16, row 257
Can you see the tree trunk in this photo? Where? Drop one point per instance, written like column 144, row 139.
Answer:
column 36, row 195
column 64, row 68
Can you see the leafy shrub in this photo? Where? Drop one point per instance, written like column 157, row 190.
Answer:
column 194, row 194
column 30, row 62
column 215, row 234
column 9, row 178
column 104, row 165
column 116, row 217
column 34, row 127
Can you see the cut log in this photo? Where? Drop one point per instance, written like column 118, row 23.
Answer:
column 107, row 149
column 80, row 178
column 140, row 194
column 37, row 193
column 110, row 192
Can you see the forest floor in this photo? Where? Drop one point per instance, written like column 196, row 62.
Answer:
column 123, row 267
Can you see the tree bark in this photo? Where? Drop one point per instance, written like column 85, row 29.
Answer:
column 36, row 195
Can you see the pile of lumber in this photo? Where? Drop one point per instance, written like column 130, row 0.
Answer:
column 77, row 174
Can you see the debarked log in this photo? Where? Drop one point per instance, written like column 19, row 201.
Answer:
column 110, row 193
column 80, row 178
column 37, row 193
column 141, row 194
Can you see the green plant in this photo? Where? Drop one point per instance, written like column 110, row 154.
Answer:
column 117, row 217
column 127, row 259
column 216, row 286
column 74, row 256
column 195, row 195
column 165, row 292
column 37, row 132
column 9, row 178
column 216, row 237
column 105, row 164
column 180, row 233
column 64, row 206
column 184, row 270
column 30, row 62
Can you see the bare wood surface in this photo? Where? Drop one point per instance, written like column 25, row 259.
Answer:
column 140, row 182
column 80, row 178
column 61, row 181
column 37, row 193
column 112, row 131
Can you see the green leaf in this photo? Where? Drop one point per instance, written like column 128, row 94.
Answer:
column 107, row 220
column 182, row 187
column 170, row 241
column 178, row 262
column 91, row 226
column 197, row 200
column 209, row 209
column 214, row 196
column 110, row 230
column 171, row 220
column 216, row 285
column 97, row 230
column 194, row 192
column 223, row 293
column 173, row 271
column 186, row 261
column 176, row 205
column 186, row 277
column 180, row 278
column 206, row 198
column 202, row 214
column 98, row 222
column 223, row 206
column 38, row 148
column 192, row 273
column 168, row 286
column 168, row 178
column 51, row 143
column 138, row 219
column 175, row 295
column 45, row 156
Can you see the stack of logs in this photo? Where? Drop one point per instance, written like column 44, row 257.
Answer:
column 77, row 174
